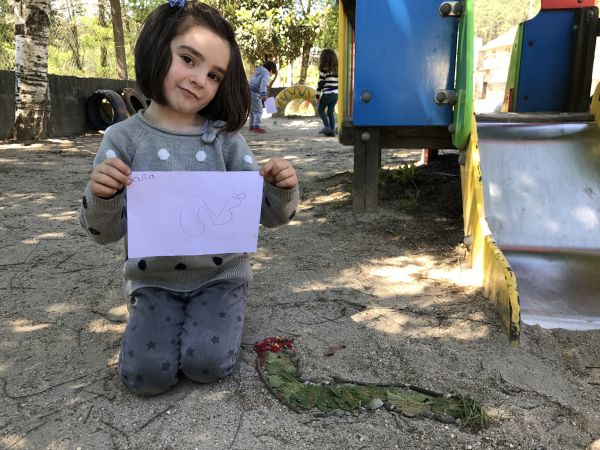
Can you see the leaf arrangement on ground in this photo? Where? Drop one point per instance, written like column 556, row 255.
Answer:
column 279, row 372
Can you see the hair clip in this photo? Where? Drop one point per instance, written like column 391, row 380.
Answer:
column 179, row 3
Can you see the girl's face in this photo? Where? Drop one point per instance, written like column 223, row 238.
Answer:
column 199, row 61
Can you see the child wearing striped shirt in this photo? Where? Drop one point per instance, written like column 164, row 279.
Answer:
column 327, row 90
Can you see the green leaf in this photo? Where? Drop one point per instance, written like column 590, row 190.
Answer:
column 283, row 377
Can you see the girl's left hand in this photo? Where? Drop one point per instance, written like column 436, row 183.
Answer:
column 279, row 172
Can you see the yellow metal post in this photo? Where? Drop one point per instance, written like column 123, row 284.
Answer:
column 595, row 105
column 493, row 270
column 342, row 62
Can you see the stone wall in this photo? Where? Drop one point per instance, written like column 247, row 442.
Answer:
column 67, row 99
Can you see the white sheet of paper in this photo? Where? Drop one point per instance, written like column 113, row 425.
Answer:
column 193, row 213
column 270, row 105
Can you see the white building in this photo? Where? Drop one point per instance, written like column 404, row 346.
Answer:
column 491, row 71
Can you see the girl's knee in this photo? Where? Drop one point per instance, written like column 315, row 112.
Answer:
column 207, row 370
column 148, row 380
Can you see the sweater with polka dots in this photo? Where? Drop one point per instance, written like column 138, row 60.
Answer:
column 144, row 147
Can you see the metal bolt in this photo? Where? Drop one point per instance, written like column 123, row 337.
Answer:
column 440, row 97
column 451, row 97
column 451, row 128
column 445, row 9
column 366, row 96
column 443, row 96
column 366, row 136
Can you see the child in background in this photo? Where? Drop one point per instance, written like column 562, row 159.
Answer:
column 186, row 313
column 327, row 90
column 258, row 94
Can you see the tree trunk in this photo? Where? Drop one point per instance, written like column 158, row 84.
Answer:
column 73, row 41
column 117, row 23
column 306, row 47
column 102, row 22
column 32, row 98
column 305, row 60
column 75, row 47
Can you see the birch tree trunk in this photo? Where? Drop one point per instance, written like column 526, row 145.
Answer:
column 32, row 99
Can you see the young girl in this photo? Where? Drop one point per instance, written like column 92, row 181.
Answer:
column 186, row 313
column 327, row 90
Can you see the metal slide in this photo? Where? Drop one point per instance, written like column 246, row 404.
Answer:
column 541, row 195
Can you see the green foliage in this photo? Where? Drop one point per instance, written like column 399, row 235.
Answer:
column 328, row 37
column 276, row 29
column 92, row 38
column 282, row 376
column 135, row 11
column 7, row 36
column 404, row 174
column 495, row 18
column 402, row 180
column 272, row 29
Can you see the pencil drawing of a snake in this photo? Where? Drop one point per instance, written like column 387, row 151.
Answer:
column 195, row 214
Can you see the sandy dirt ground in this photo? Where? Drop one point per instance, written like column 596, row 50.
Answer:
column 392, row 287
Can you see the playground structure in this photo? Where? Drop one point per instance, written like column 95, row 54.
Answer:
column 288, row 94
column 530, row 175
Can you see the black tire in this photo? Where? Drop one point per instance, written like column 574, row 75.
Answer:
column 105, row 108
column 134, row 101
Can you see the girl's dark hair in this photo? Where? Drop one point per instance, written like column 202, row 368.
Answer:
column 270, row 65
column 328, row 61
column 153, row 59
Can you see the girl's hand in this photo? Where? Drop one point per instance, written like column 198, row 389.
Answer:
column 110, row 176
column 279, row 172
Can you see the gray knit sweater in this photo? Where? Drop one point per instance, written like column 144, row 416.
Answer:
column 144, row 147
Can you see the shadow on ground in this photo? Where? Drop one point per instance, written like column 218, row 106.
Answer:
column 392, row 288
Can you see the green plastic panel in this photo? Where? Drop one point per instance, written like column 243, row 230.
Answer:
column 512, row 82
column 463, row 109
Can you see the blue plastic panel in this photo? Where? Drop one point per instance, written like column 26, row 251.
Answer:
column 545, row 61
column 405, row 52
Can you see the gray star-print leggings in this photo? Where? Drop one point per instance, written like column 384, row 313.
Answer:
column 197, row 333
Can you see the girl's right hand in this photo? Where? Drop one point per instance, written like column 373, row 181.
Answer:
column 110, row 176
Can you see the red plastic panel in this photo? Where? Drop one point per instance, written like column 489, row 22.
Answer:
column 567, row 4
